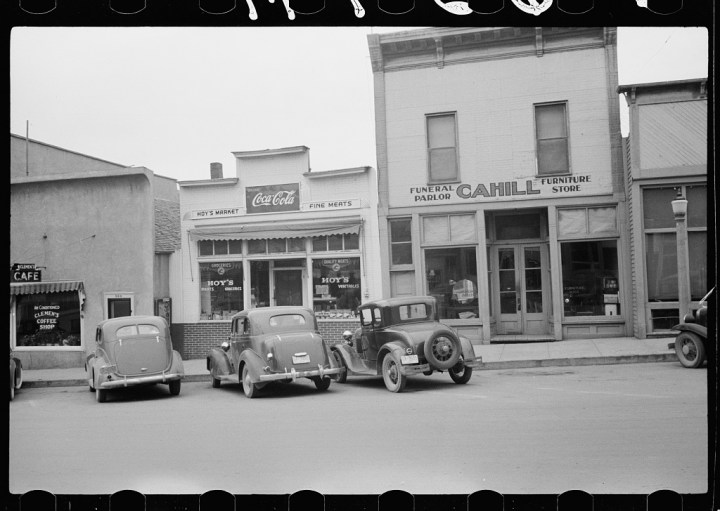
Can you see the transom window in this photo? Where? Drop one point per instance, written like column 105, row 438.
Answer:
column 336, row 242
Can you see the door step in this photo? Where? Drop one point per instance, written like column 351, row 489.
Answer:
column 506, row 339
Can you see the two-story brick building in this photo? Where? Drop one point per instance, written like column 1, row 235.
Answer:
column 666, row 154
column 500, row 175
column 276, row 233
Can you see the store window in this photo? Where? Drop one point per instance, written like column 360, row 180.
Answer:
column 442, row 148
column 661, row 245
column 219, row 247
column 48, row 319
column 590, row 278
column 451, row 277
column 551, row 133
column 221, row 292
column 336, row 286
column 400, row 241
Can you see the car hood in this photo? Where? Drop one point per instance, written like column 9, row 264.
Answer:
column 141, row 355
column 285, row 345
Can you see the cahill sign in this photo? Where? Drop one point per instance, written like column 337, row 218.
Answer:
column 495, row 190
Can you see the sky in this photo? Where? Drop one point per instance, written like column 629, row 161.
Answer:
column 175, row 100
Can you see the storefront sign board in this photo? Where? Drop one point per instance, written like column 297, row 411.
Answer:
column 272, row 198
column 25, row 273
column 215, row 213
column 327, row 205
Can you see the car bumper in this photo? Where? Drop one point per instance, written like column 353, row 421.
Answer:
column 293, row 374
column 477, row 362
column 124, row 381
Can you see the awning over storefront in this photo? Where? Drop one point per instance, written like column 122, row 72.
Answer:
column 278, row 230
column 33, row 288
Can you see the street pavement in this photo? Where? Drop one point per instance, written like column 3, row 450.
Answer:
column 512, row 355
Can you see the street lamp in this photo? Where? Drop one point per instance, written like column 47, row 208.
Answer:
column 679, row 207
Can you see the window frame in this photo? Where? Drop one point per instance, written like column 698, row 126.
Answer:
column 429, row 150
column 565, row 105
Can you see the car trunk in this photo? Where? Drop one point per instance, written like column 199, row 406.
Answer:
column 293, row 345
column 141, row 355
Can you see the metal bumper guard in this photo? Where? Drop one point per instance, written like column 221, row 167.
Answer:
column 473, row 363
column 293, row 374
column 140, row 380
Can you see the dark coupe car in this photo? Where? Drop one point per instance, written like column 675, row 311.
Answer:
column 272, row 344
column 131, row 351
column 403, row 336
column 690, row 343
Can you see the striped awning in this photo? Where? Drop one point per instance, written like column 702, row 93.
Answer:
column 277, row 230
column 33, row 288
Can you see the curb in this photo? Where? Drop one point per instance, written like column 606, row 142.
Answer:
column 487, row 366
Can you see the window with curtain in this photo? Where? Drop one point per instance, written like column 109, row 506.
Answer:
column 442, row 148
column 551, row 133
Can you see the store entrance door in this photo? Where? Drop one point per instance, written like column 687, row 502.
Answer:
column 287, row 287
column 521, row 286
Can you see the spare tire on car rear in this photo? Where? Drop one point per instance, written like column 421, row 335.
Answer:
column 442, row 350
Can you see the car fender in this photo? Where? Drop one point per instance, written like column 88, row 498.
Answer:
column 396, row 347
column 692, row 327
column 468, row 352
column 352, row 360
column 95, row 362
column 218, row 363
column 177, row 364
column 255, row 364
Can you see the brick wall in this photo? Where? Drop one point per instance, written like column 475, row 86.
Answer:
column 194, row 340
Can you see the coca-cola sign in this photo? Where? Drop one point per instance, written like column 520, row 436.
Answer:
column 272, row 198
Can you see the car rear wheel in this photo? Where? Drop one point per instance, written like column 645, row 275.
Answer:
column 340, row 377
column 100, row 395
column 689, row 349
column 442, row 350
column 248, row 386
column 394, row 380
column 322, row 383
column 460, row 373
column 174, row 387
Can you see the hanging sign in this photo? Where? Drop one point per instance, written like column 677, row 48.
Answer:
column 25, row 273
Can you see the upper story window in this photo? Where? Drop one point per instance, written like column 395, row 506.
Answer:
column 442, row 148
column 400, row 241
column 551, row 132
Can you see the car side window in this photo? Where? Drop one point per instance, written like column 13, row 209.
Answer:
column 245, row 326
column 366, row 317
column 377, row 317
column 98, row 335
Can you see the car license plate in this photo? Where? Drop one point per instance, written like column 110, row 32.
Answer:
column 409, row 359
column 301, row 359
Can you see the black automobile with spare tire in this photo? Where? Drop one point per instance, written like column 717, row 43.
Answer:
column 399, row 337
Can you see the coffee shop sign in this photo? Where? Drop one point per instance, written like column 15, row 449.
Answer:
column 515, row 189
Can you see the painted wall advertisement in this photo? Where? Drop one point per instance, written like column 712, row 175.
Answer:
column 534, row 188
column 272, row 198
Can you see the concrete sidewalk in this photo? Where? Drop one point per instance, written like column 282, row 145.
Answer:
column 621, row 350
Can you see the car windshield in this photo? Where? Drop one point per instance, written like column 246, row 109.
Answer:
column 129, row 330
column 286, row 320
column 413, row 312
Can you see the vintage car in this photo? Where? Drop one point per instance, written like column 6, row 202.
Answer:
column 690, row 343
column 403, row 336
column 131, row 351
column 16, row 375
column 270, row 344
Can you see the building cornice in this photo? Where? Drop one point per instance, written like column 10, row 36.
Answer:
column 202, row 183
column 270, row 152
column 336, row 172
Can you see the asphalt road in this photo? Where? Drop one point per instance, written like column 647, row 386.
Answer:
column 630, row 428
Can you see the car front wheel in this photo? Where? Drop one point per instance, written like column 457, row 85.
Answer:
column 460, row 373
column 442, row 350
column 342, row 376
column 690, row 349
column 248, row 386
column 174, row 387
column 394, row 379
column 322, row 383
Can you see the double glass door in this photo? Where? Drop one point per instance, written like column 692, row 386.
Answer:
column 521, row 289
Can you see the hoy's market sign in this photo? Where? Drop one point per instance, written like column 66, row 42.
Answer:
column 516, row 189
column 272, row 198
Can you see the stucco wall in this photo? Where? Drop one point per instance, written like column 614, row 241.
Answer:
column 99, row 231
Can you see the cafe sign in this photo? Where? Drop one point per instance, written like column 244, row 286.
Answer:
column 272, row 198
column 25, row 273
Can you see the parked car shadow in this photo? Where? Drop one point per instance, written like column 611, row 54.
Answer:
column 149, row 392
